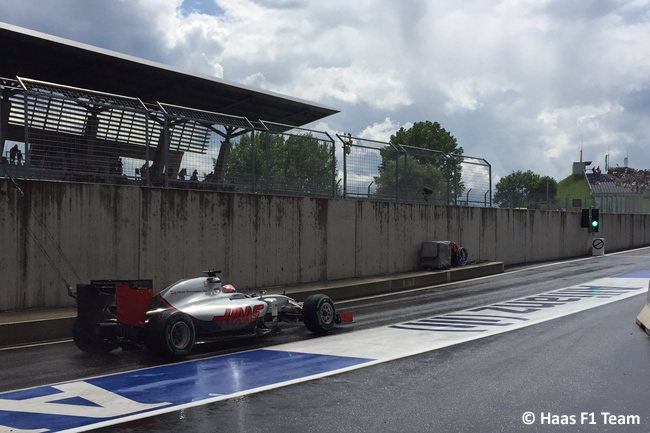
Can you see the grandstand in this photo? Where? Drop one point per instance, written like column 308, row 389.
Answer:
column 620, row 190
column 73, row 112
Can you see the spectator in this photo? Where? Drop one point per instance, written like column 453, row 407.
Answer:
column 144, row 170
column 12, row 154
column 182, row 174
column 20, row 157
column 636, row 180
column 195, row 176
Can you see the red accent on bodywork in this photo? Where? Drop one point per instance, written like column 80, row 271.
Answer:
column 240, row 314
column 132, row 304
column 346, row 317
column 164, row 302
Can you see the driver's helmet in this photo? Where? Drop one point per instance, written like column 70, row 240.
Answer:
column 228, row 288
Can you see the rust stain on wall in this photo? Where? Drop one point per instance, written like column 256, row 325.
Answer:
column 322, row 211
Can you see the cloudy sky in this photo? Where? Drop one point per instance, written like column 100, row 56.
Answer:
column 524, row 84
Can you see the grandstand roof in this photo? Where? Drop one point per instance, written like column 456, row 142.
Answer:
column 31, row 54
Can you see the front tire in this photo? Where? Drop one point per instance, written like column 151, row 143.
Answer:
column 319, row 314
column 171, row 333
column 87, row 341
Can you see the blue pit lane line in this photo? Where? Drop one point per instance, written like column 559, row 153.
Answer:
column 80, row 405
column 637, row 274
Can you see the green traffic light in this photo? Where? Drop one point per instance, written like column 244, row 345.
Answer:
column 594, row 223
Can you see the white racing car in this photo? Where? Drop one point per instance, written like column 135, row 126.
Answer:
column 124, row 313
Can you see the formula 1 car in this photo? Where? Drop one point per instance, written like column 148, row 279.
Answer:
column 124, row 313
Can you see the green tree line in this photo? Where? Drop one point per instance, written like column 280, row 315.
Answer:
column 296, row 162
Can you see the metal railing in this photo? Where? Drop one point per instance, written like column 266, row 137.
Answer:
column 71, row 134
column 388, row 171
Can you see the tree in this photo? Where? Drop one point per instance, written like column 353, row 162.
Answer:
column 524, row 189
column 411, row 184
column 434, row 165
column 298, row 163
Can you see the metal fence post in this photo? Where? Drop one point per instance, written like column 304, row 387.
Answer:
column 148, row 137
column 267, row 169
column 253, row 183
column 490, row 181
column 166, row 155
column 333, row 145
column 346, row 152
column 397, row 174
column 26, row 113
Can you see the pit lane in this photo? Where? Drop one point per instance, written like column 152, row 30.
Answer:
column 63, row 362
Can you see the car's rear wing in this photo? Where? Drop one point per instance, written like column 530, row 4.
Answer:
column 124, row 300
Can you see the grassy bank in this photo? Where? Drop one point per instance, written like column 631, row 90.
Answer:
column 573, row 188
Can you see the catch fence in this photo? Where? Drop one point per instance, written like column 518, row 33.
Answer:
column 57, row 132
column 389, row 171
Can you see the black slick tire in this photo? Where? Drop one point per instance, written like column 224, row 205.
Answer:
column 319, row 314
column 171, row 333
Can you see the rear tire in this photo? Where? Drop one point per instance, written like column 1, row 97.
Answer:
column 171, row 333
column 319, row 314
column 87, row 341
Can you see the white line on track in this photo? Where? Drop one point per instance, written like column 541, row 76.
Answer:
column 514, row 271
column 405, row 339
column 27, row 346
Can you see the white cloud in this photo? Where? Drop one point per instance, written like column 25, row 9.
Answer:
column 591, row 128
column 522, row 83
column 471, row 93
column 381, row 131
column 349, row 85
column 255, row 80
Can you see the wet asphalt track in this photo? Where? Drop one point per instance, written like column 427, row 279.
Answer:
column 590, row 362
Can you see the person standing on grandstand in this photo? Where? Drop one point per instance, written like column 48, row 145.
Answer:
column 12, row 154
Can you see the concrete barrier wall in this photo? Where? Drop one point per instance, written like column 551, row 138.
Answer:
column 109, row 231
